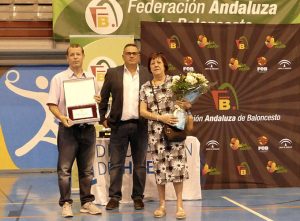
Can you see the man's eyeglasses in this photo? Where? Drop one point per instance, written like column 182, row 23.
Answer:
column 131, row 53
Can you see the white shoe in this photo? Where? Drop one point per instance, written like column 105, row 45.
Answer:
column 90, row 208
column 67, row 210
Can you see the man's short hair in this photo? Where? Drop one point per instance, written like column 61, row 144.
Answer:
column 130, row 45
column 74, row 46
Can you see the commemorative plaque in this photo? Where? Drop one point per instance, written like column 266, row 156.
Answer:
column 80, row 103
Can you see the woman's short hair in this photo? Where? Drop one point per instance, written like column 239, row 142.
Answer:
column 158, row 55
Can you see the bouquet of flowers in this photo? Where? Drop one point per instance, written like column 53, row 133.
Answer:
column 190, row 86
column 187, row 87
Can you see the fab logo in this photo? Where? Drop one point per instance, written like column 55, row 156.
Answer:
column 104, row 16
column 173, row 42
column 225, row 98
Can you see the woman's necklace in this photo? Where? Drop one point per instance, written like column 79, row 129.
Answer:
column 159, row 82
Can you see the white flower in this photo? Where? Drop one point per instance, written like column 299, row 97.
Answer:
column 183, row 86
column 157, row 128
column 205, row 85
column 155, row 159
column 177, row 146
column 201, row 77
column 192, row 74
column 170, row 176
column 160, row 148
column 169, row 156
column 148, row 92
column 153, row 108
column 178, row 165
column 163, row 168
column 158, row 179
column 152, row 139
column 190, row 79
column 160, row 97
column 175, row 79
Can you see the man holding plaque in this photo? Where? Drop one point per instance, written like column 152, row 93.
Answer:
column 75, row 140
column 123, row 84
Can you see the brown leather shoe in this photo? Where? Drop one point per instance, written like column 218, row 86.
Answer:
column 112, row 204
column 138, row 204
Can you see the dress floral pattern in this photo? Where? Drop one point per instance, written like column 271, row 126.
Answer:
column 169, row 159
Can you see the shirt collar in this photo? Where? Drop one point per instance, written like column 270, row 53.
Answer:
column 71, row 74
column 127, row 71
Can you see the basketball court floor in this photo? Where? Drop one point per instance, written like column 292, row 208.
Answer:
column 34, row 196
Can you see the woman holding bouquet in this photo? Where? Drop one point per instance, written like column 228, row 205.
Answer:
column 169, row 158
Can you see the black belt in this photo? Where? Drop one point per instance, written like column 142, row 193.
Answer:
column 133, row 121
column 83, row 125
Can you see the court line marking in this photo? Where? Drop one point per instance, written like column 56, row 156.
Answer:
column 248, row 209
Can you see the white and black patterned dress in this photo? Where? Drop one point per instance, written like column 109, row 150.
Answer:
column 169, row 159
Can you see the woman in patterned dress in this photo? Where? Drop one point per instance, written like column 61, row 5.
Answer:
column 169, row 158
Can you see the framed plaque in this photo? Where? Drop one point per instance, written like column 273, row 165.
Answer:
column 80, row 103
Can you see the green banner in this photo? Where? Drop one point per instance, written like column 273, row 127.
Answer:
column 99, row 54
column 123, row 17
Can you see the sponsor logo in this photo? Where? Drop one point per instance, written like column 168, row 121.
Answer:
column 104, row 16
column 173, row 42
column 263, row 148
column 188, row 62
column 262, row 140
column 211, row 65
column 222, row 99
column 262, row 144
column 204, row 43
column 270, row 42
column 284, row 65
column 243, row 169
column 273, row 167
column 235, row 144
column 206, row 170
column 212, row 145
column 285, row 143
column 262, row 68
column 171, row 67
column 242, row 43
column 99, row 65
column 234, row 65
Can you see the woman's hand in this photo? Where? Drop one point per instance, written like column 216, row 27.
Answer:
column 184, row 104
column 168, row 119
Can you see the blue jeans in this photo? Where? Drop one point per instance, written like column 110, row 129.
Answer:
column 76, row 142
column 123, row 135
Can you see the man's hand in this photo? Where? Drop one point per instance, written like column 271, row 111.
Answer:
column 67, row 122
column 97, row 98
column 105, row 124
